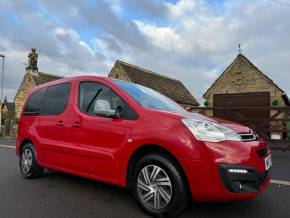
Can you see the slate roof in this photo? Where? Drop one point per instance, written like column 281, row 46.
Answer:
column 169, row 87
column 44, row 77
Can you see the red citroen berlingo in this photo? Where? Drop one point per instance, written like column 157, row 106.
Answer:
column 131, row 136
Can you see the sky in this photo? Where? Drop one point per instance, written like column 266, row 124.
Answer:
column 190, row 40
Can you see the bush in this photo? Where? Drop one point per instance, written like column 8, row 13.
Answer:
column 275, row 102
column 16, row 120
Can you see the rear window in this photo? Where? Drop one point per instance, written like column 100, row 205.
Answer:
column 48, row 101
column 34, row 102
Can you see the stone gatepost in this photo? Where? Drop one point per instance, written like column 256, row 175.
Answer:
column 7, row 126
column 14, row 128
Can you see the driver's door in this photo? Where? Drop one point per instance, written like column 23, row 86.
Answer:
column 95, row 138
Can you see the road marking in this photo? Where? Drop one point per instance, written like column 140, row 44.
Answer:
column 280, row 182
column 7, row 146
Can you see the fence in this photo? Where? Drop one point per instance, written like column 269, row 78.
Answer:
column 274, row 128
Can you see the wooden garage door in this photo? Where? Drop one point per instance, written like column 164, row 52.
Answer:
column 254, row 107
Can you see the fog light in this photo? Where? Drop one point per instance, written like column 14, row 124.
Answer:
column 241, row 171
column 239, row 185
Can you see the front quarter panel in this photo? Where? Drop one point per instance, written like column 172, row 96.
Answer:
column 169, row 133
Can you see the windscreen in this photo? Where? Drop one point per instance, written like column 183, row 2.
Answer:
column 149, row 98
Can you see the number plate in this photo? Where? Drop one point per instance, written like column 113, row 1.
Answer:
column 268, row 162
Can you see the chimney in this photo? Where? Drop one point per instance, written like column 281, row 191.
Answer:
column 32, row 62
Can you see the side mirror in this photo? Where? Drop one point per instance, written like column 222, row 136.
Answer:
column 118, row 112
column 103, row 108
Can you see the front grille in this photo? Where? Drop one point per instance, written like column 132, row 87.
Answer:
column 248, row 137
column 262, row 152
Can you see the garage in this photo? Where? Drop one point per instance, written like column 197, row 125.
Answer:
column 242, row 106
column 244, row 94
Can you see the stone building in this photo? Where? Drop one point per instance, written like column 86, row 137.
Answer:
column 172, row 88
column 31, row 79
column 243, row 77
column 7, row 117
column 7, row 110
column 242, row 84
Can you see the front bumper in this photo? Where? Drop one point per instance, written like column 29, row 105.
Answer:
column 210, row 181
column 242, row 179
column 206, row 183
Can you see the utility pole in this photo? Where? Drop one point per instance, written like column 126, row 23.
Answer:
column 1, row 95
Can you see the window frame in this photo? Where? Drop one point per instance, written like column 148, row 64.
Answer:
column 25, row 113
column 68, row 100
column 42, row 100
column 127, row 106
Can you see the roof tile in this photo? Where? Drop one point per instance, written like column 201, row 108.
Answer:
column 170, row 87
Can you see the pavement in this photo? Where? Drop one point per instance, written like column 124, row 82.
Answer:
column 59, row 195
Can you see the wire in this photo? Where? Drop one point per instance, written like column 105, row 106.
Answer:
column 280, row 2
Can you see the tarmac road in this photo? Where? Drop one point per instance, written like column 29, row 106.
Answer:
column 64, row 196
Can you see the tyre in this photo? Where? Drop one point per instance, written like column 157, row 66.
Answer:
column 159, row 186
column 28, row 162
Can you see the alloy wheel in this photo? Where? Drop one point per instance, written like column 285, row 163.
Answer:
column 154, row 187
column 26, row 160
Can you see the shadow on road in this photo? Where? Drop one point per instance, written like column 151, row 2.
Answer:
column 262, row 206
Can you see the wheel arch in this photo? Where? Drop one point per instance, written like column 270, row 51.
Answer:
column 150, row 149
column 23, row 142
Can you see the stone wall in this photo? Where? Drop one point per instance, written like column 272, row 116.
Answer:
column 14, row 129
column 118, row 73
column 9, row 128
column 26, row 86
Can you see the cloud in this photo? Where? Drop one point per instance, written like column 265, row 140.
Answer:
column 61, row 50
column 183, row 8
column 202, row 43
column 193, row 41
column 101, row 16
column 152, row 9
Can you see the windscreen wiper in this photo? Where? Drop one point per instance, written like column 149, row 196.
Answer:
column 93, row 99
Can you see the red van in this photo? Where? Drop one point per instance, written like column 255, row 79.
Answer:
column 131, row 136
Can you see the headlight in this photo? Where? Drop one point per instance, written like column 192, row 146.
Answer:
column 210, row 131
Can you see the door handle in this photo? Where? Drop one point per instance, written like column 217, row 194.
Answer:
column 60, row 123
column 76, row 124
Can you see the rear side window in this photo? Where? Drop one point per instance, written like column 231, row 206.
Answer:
column 55, row 99
column 34, row 102
column 48, row 101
